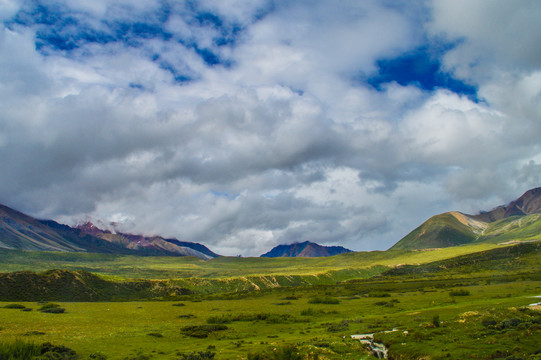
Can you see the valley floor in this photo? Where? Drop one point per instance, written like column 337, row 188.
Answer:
column 482, row 317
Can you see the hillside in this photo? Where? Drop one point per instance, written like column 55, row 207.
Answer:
column 22, row 232
column 156, row 243
column 305, row 249
column 520, row 220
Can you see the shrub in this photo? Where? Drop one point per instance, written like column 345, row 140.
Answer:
column 223, row 319
column 155, row 334
column 179, row 304
column 54, row 352
column 48, row 306
column 378, row 294
column 337, row 327
column 324, row 300
column 436, row 321
column 201, row 355
column 18, row 350
column 202, row 331
column 288, row 352
column 14, row 306
column 510, row 323
column 97, row 356
column 52, row 308
column 308, row 312
column 33, row 332
column 459, row 292
column 487, row 322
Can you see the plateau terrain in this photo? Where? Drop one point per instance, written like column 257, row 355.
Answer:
column 457, row 287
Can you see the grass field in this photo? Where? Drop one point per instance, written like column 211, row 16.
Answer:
column 126, row 330
column 467, row 302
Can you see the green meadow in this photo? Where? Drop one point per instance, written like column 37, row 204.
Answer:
column 457, row 303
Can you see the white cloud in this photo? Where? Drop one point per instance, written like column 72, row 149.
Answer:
column 284, row 143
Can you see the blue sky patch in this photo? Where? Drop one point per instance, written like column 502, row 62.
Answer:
column 419, row 68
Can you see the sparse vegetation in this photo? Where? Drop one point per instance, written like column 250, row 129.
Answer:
column 324, row 300
column 417, row 300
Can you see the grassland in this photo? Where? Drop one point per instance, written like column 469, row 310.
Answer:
column 166, row 267
column 454, row 303
column 274, row 318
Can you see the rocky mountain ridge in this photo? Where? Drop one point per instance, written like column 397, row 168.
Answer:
column 305, row 249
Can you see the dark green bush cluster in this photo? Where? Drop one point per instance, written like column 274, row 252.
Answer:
column 337, row 327
column 390, row 303
column 201, row 355
column 155, row 334
column 378, row 294
column 14, row 306
column 459, row 292
column 52, row 309
column 288, row 352
column 324, row 300
column 202, row 331
column 268, row 317
column 20, row 350
column 308, row 312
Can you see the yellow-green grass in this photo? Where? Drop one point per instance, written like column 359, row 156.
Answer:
column 130, row 267
column 120, row 329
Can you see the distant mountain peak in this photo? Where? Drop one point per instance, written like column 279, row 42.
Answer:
column 454, row 228
column 305, row 249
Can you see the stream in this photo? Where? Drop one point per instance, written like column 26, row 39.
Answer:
column 378, row 349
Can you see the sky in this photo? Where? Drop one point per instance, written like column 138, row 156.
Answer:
column 244, row 124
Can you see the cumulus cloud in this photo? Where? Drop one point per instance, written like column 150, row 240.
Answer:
column 251, row 124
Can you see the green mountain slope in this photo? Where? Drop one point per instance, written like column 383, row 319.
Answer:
column 518, row 221
column 443, row 230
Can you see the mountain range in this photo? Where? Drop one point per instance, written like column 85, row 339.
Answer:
column 305, row 249
column 520, row 219
column 20, row 231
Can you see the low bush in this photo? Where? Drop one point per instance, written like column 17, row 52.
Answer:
column 509, row 323
column 268, row 317
column 155, row 334
column 378, row 294
column 33, row 333
column 337, row 327
column 54, row 352
column 459, row 292
column 201, row 355
column 202, row 331
column 52, row 308
column 56, row 310
column 14, row 306
column 19, row 350
column 288, row 352
column 329, row 300
column 488, row 322
column 436, row 321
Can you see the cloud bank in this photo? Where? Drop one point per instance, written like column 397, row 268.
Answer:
column 246, row 124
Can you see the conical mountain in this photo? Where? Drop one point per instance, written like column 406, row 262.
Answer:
column 305, row 249
column 518, row 221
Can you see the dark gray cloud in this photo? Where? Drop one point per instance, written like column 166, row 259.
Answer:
column 246, row 124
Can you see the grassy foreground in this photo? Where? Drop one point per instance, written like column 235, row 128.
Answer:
column 446, row 304
column 479, row 318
